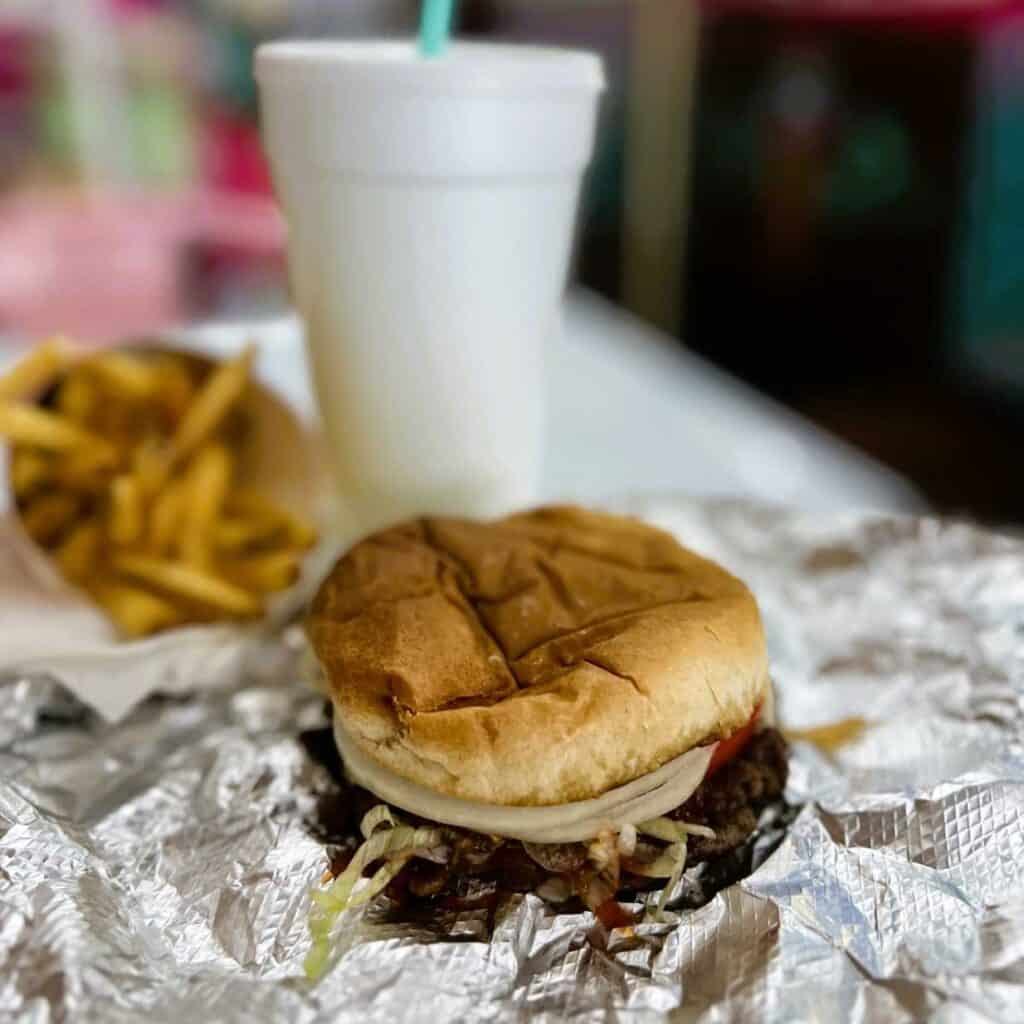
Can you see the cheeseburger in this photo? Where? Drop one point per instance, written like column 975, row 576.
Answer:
column 561, row 700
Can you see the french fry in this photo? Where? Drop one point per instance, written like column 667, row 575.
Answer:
column 187, row 582
column 126, row 511
column 147, row 454
column 831, row 737
column 220, row 391
column 301, row 532
column 26, row 424
column 175, row 386
column 117, row 422
column 29, row 469
column 232, row 535
column 136, row 612
column 77, row 553
column 264, row 573
column 151, row 470
column 247, row 501
column 123, row 376
column 165, row 519
column 45, row 517
column 33, row 374
column 128, row 480
column 77, row 397
column 85, row 470
column 206, row 484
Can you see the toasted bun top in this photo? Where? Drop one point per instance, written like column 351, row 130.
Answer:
column 539, row 659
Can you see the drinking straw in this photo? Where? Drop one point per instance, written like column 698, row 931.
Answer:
column 435, row 26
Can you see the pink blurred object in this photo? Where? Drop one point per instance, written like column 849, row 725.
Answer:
column 132, row 7
column 916, row 13
column 104, row 267
column 233, row 155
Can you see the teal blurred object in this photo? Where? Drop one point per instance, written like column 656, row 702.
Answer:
column 987, row 332
column 233, row 45
column 874, row 168
column 435, row 26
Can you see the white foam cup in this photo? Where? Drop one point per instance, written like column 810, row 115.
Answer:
column 431, row 205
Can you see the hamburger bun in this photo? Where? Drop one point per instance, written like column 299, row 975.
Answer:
column 535, row 660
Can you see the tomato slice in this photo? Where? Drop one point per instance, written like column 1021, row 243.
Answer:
column 613, row 914
column 732, row 745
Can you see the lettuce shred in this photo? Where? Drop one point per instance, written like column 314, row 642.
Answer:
column 672, row 862
column 385, row 839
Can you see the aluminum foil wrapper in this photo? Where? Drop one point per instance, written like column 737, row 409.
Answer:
column 160, row 869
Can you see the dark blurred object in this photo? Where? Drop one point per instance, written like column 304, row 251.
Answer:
column 857, row 228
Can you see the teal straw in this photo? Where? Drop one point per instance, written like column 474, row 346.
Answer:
column 435, row 26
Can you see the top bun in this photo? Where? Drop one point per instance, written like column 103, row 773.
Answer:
column 534, row 660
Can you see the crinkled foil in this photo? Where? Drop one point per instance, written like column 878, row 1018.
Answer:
column 160, row 869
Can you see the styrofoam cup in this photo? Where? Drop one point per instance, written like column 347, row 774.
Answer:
column 431, row 205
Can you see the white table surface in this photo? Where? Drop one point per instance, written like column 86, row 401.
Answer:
column 632, row 411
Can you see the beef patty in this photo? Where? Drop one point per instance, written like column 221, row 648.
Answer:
column 729, row 802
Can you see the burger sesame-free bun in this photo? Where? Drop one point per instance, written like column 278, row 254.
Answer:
column 539, row 659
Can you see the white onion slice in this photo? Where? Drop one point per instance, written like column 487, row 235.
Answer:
column 766, row 719
column 649, row 796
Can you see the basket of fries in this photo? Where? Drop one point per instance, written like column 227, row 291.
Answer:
column 165, row 488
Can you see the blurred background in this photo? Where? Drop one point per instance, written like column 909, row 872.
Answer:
column 824, row 199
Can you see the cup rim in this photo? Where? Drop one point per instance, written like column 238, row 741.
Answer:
column 396, row 66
